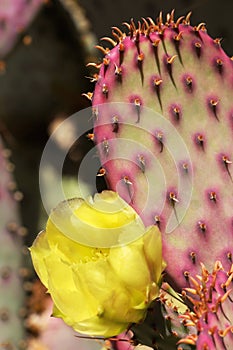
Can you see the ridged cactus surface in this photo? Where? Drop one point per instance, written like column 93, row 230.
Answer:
column 11, row 285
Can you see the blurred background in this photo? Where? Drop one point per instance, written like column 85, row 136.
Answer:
column 44, row 48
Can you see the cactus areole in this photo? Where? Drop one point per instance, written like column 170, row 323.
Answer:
column 178, row 72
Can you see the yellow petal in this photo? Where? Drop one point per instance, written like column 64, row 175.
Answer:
column 106, row 210
column 100, row 267
column 39, row 251
column 153, row 252
column 114, row 297
column 69, row 250
column 130, row 265
column 94, row 326
column 83, row 223
column 97, row 326
column 75, row 302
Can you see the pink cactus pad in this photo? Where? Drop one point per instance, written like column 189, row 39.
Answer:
column 15, row 16
column 163, row 114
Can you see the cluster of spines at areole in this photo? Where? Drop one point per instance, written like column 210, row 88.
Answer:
column 146, row 28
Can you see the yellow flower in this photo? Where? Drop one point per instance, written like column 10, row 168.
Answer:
column 100, row 264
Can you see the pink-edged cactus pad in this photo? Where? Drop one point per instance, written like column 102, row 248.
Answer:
column 15, row 16
column 163, row 125
column 163, row 100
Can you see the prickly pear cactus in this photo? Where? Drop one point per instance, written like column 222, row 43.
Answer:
column 11, row 287
column 180, row 74
column 162, row 104
column 15, row 16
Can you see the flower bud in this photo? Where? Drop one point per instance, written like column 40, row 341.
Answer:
column 100, row 264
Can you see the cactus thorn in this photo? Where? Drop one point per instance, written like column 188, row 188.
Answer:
column 105, row 145
column 109, row 40
column 159, row 136
column 105, row 90
column 90, row 136
column 218, row 41
column 115, row 124
column 142, row 162
column 88, row 95
column 101, row 172
column 202, row 226
column 227, row 162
